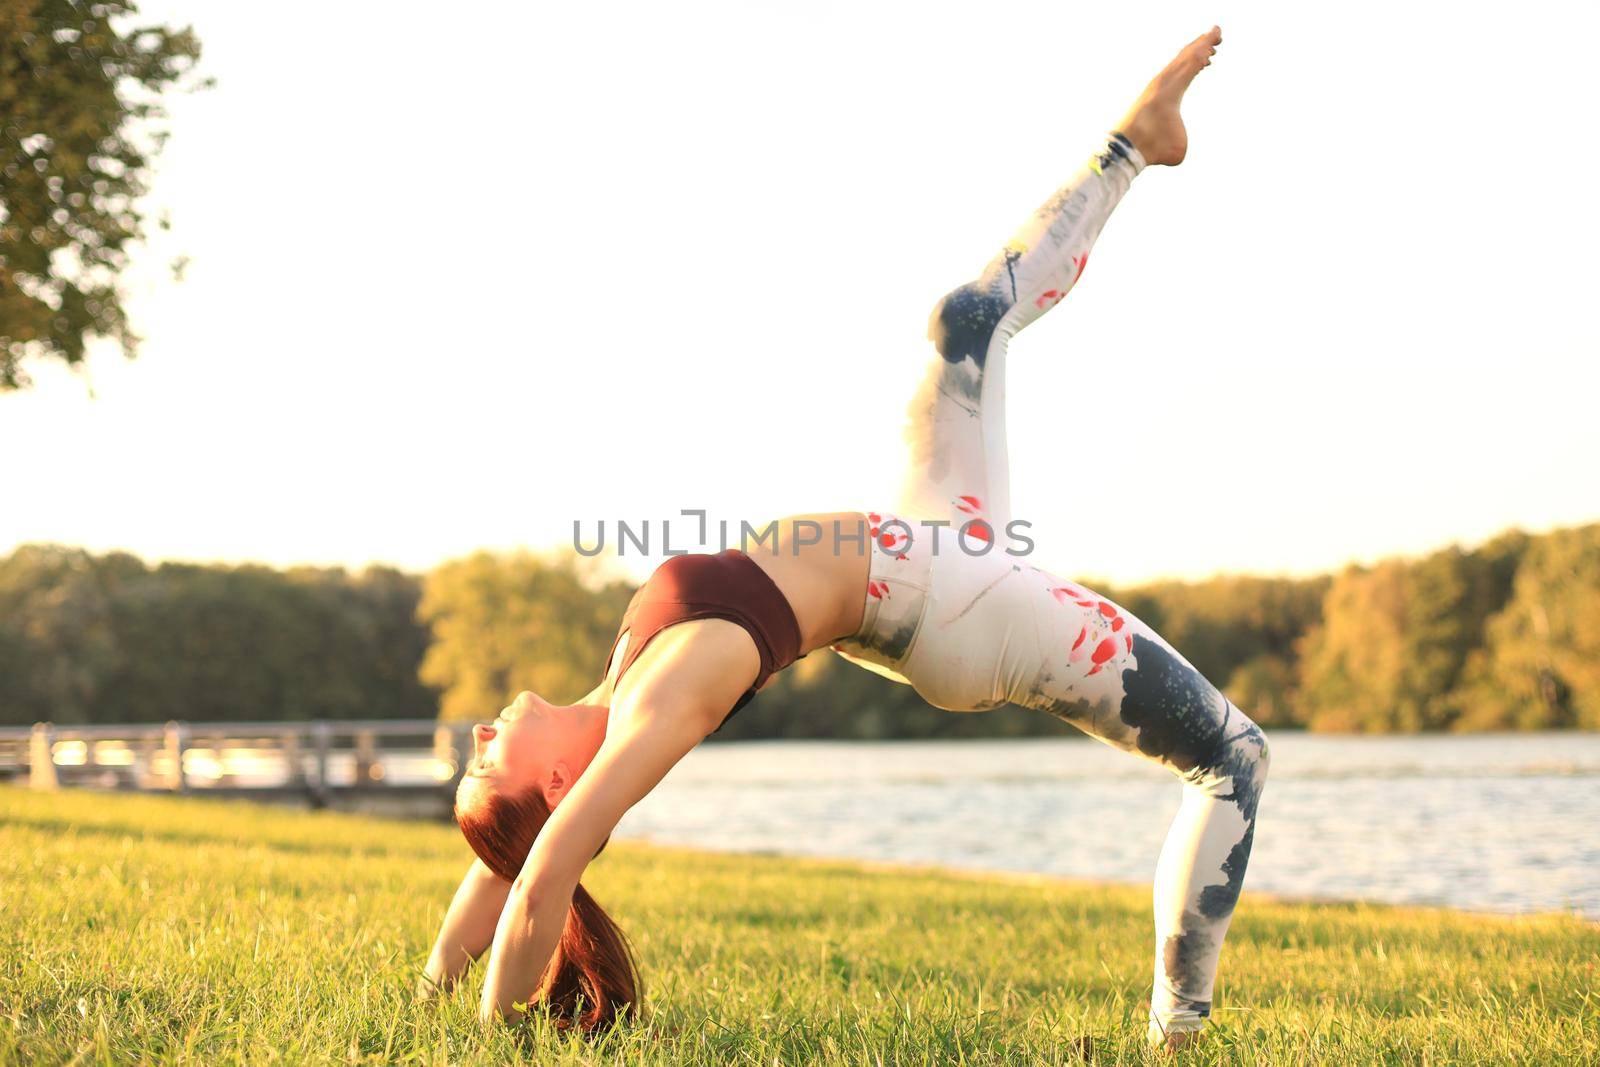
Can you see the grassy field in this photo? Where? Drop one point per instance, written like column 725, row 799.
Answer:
column 139, row 929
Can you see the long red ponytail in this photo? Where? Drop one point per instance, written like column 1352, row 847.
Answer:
column 593, row 964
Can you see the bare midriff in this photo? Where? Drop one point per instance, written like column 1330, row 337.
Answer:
column 823, row 576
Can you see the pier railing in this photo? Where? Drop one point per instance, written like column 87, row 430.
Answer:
column 407, row 764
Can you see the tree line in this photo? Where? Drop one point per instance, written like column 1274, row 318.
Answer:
column 86, row 638
column 1502, row 636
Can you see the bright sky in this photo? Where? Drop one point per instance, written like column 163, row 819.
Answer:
column 456, row 282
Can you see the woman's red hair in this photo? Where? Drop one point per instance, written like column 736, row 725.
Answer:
column 592, row 979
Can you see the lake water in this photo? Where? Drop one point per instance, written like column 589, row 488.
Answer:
column 1505, row 822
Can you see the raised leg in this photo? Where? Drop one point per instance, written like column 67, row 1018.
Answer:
column 956, row 434
column 956, row 431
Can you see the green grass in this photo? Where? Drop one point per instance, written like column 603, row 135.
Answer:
column 143, row 929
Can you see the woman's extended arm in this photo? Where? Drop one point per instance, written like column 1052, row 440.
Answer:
column 467, row 930
column 675, row 696
column 626, row 768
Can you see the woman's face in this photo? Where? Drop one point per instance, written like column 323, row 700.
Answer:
column 522, row 743
column 532, row 744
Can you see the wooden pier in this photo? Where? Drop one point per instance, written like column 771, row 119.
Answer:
column 407, row 767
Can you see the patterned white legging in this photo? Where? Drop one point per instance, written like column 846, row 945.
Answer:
column 955, row 610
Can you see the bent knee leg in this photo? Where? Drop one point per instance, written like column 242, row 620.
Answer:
column 1238, row 769
column 1181, row 720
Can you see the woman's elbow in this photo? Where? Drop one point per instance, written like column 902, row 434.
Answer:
column 534, row 891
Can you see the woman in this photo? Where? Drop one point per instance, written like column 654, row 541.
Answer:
column 926, row 595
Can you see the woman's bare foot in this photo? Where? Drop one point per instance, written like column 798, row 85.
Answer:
column 1163, row 1040
column 1178, row 1041
column 1153, row 123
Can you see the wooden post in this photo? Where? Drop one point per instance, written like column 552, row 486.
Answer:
column 294, row 760
column 321, row 741
column 42, row 757
column 176, row 743
column 368, row 769
column 145, row 762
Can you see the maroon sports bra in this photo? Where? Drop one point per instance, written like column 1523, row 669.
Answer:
column 728, row 585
